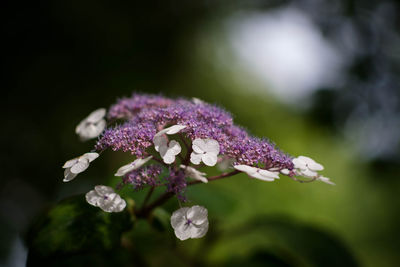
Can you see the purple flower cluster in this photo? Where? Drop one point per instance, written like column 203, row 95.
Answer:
column 147, row 175
column 145, row 115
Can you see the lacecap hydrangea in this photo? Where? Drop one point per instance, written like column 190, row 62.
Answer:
column 173, row 142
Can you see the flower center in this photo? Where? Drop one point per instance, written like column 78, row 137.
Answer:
column 188, row 222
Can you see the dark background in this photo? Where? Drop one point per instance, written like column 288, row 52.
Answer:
column 63, row 59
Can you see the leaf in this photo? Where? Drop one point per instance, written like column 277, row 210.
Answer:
column 74, row 226
column 160, row 219
column 299, row 242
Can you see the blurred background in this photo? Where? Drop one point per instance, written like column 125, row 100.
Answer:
column 319, row 78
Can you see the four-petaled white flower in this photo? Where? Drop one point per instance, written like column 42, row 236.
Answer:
column 195, row 174
column 307, row 167
column 205, row 150
column 105, row 198
column 257, row 173
column 77, row 165
column 92, row 125
column 190, row 222
column 168, row 151
column 136, row 164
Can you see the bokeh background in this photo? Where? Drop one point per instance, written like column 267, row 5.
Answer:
column 318, row 77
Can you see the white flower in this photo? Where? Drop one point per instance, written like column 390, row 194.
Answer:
column 307, row 167
column 77, row 165
column 105, row 198
column 195, row 174
column 92, row 125
column 258, row 173
column 168, row 151
column 190, row 222
column 325, row 180
column 136, row 164
column 205, row 150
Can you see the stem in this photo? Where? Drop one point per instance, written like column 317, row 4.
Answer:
column 217, row 177
column 145, row 210
column 148, row 196
column 303, row 181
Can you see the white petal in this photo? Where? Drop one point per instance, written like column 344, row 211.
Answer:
column 68, row 175
column 210, row 159
column 179, row 217
column 198, row 231
column 140, row 162
column 299, row 163
column 70, row 163
column 174, row 129
column 159, row 141
column 174, row 147
column 267, row 175
column 90, row 156
column 92, row 198
column 285, row 171
column 311, row 164
column 183, row 231
column 137, row 163
column 112, row 203
column 80, row 166
column 195, row 158
column 197, row 214
column 199, row 145
column 325, row 180
column 125, row 169
column 195, row 174
column 168, row 158
column 91, row 130
column 245, row 168
column 103, row 190
column 308, row 173
column 96, row 115
column 212, row 146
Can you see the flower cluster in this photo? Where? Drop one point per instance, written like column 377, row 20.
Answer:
column 171, row 140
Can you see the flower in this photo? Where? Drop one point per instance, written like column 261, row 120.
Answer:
column 195, row 174
column 106, row 199
column 205, row 150
column 92, row 125
column 190, row 222
column 137, row 163
column 257, row 173
column 307, row 167
column 168, row 151
column 77, row 165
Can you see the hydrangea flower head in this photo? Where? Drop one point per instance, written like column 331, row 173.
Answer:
column 173, row 142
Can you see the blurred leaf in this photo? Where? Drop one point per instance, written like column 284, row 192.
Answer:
column 300, row 242
column 160, row 219
column 258, row 259
column 75, row 227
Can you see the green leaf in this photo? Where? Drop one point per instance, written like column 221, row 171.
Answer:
column 74, row 226
column 302, row 244
column 160, row 219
